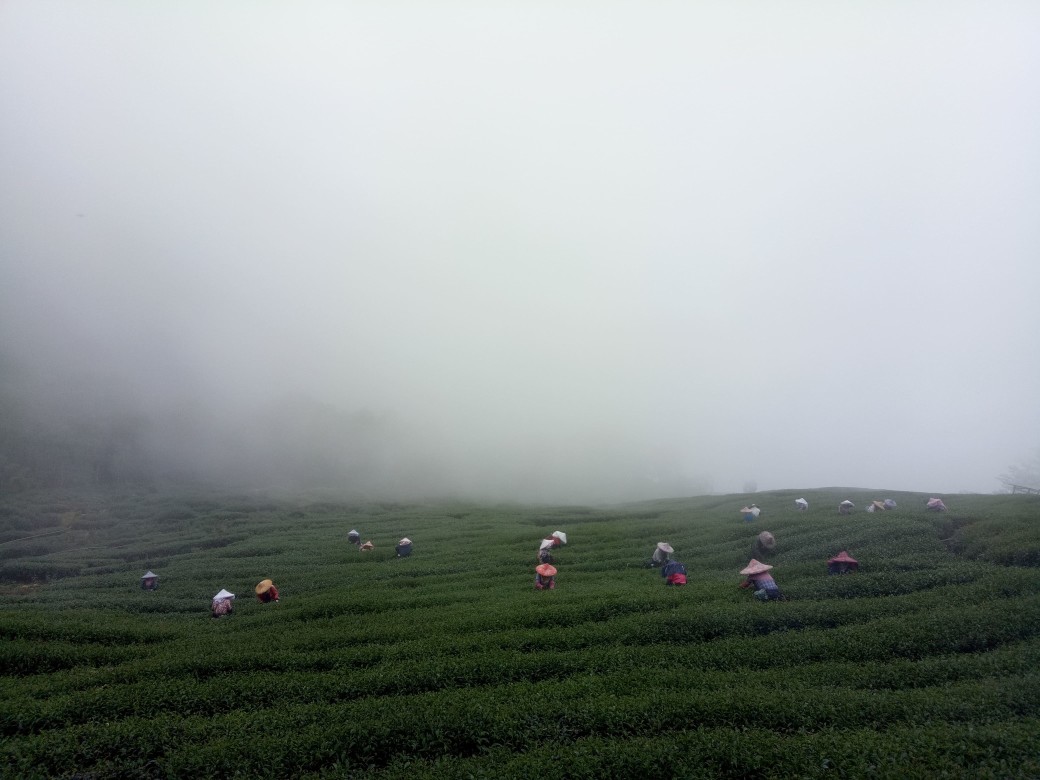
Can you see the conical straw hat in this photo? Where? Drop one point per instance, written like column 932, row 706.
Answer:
column 406, row 540
column 546, row 570
column 561, row 536
column 263, row 586
column 843, row 557
column 150, row 575
column 665, row 547
column 755, row 567
column 224, row 594
column 545, row 543
column 767, row 540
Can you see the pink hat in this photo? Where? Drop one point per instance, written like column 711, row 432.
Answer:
column 756, row 567
column 546, row 570
column 843, row 557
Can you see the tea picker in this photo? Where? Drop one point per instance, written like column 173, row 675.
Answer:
column 750, row 513
column 222, row 603
column 757, row 576
column 842, row 563
column 674, row 573
column 266, row 591
column 660, row 555
column 545, row 577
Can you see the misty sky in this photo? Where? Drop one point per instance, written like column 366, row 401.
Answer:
column 796, row 243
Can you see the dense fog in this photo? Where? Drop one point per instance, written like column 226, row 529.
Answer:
column 550, row 253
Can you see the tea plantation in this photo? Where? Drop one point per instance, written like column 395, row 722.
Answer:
column 925, row 663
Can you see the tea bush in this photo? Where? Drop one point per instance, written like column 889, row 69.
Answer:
column 449, row 664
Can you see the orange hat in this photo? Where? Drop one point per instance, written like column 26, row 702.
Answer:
column 546, row 570
column 263, row 587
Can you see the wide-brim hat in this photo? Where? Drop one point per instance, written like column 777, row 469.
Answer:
column 843, row 557
column 150, row 575
column 766, row 539
column 263, row 586
column 801, row 501
column 756, row 567
column 934, row 502
column 546, row 570
column 879, row 505
column 406, row 540
column 353, row 532
column 545, row 543
column 560, row 535
column 224, row 594
column 846, row 502
column 665, row 547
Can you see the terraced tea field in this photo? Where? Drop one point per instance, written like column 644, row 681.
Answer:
column 926, row 663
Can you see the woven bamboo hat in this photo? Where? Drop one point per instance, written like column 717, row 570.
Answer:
column 843, row 557
column 263, row 587
column 665, row 547
column 546, row 570
column 756, row 567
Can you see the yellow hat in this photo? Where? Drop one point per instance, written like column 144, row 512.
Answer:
column 263, row 587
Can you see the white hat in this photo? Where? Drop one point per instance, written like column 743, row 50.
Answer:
column 665, row 547
column 801, row 501
column 545, row 543
column 406, row 540
column 224, row 594
column 150, row 575
column 561, row 536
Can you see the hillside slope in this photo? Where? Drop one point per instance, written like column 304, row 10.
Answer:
column 449, row 664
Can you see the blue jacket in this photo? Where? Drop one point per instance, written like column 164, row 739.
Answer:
column 672, row 567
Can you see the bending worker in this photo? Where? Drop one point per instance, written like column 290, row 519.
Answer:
column 266, row 591
column 544, row 577
column 661, row 553
column 757, row 576
column 674, row 573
